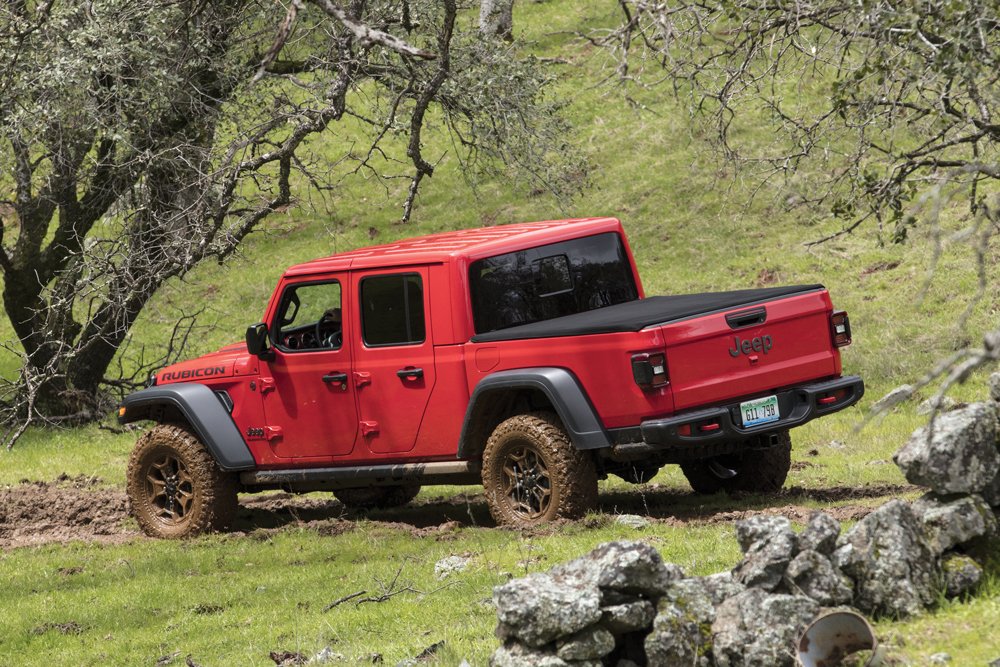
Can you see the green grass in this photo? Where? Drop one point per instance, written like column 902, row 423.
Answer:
column 233, row 599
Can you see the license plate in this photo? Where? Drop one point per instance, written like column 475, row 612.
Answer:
column 760, row 411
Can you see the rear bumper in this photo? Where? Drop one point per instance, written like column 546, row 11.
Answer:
column 724, row 423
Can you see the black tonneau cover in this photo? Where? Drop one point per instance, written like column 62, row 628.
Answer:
column 639, row 314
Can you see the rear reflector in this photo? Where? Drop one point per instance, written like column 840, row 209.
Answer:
column 649, row 370
column 840, row 325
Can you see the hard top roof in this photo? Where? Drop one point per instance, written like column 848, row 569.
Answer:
column 470, row 244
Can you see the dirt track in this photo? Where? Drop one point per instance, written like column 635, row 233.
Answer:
column 79, row 508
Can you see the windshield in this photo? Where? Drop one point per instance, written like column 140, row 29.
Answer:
column 550, row 281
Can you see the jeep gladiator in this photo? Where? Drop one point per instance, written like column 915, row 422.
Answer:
column 525, row 357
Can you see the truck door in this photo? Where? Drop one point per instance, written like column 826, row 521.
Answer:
column 307, row 389
column 394, row 362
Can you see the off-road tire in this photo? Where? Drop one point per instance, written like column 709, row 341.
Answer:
column 174, row 486
column 558, row 481
column 377, row 497
column 758, row 470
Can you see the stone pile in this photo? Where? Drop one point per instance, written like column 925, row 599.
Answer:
column 622, row 605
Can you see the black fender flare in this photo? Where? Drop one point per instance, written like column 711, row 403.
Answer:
column 563, row 390
column 205, row 413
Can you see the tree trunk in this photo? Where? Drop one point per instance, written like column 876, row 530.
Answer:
column 496, row 19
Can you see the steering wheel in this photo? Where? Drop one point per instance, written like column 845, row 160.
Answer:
column 331, row 338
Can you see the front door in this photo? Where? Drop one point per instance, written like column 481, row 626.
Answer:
column 394, row 361
column 307, row 389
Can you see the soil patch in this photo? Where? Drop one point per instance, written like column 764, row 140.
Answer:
column 67, row 509
column 78, row 508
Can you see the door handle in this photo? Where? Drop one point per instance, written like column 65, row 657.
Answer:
column 339, row 378
column 410, row 373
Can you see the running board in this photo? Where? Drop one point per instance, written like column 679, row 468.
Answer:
column 346, row 477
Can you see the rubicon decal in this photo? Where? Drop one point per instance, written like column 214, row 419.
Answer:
column 194, row 373
column 750, row 345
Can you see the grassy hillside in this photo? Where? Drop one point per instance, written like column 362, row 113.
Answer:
column 232, row 599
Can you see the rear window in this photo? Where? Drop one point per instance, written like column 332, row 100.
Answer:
column 550, row 281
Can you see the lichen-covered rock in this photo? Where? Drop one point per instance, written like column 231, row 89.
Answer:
column 893, row 398
column 812, row 574
column 589, row 644
column 820, row 534
column 721, row 586
column 513, row 654
column 768, row 545
column 952, row 520
column 960, row 457
column 628, row 617
column 541, row 607
column 994, row 383
column 693, row 597
column 759, row 629
column 961, row 574
column 944, row 404
column 627, row 567
column 886, row 555
column 678, row 637
column 991, row 494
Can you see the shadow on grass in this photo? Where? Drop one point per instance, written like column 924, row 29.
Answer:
column 671, row 505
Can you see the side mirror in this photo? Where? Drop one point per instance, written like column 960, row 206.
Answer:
column 257, row 341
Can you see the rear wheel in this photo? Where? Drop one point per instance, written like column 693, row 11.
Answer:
column 377, row 497
column 532, row 473
column 753, row 470
column 174, row 486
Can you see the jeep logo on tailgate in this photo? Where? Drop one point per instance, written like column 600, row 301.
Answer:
column 748, row 345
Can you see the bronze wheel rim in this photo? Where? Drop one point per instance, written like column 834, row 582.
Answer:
column 525, row 482
column 169, row 488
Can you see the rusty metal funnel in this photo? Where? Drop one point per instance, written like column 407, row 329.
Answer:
column 834, row 636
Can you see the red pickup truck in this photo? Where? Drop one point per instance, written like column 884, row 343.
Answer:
column 524, row 356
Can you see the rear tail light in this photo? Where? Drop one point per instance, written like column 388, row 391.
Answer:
column 840, row 325
column 649, row 370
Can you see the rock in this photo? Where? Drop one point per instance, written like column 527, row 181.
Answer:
column 768, row 545
column 994, row 383
column 950, row 521
column 677, row 637
column 625, row 567
column 961, row 574
column 632, row 521
column 758, row 629
column 812, row 574
column 693, row 597
column 961, row 456
column 945, row 404
column 820, row 534
column 887, row 556
column 893, row 398
column 628, row 617
column 939, row 659
column 446, row 567
column 539, row 608
column 721, row 586
column 991, row 494
column 595, row 642
column 516, row 655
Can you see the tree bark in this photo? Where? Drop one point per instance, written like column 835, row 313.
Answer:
column 496, row 19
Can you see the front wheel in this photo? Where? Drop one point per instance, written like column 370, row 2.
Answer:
column 174, row 486
column 755, row 470
column 532, row 473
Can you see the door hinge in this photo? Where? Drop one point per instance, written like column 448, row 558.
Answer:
column 266, row 385
column 369, row 428
column 362, row 378
column 272, row 433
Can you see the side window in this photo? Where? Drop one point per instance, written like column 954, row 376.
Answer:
column 310, row 317
column 392, row 310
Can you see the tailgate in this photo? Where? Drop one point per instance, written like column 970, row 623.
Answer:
column 750, row 350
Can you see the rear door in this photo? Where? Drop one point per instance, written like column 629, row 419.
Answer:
column 309, row 400
column 394, row 358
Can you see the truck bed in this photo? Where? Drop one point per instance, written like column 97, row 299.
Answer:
column 641, row 313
